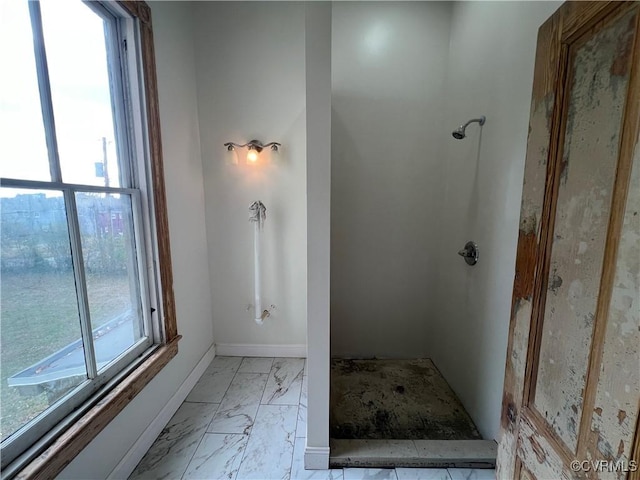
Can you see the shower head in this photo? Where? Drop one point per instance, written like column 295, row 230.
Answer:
column 459, row 133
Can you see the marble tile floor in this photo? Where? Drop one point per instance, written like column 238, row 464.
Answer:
column 246, row 419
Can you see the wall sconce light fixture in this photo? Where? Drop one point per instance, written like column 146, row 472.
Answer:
column 254, row 147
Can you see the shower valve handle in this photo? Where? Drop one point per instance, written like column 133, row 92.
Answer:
column 470, row 253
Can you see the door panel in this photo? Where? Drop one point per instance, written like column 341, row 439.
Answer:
column 572, row 384
column 615, row 414
column 596, row 100
column 535, row 454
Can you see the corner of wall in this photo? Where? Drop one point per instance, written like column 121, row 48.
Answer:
column 490, row 73
column 318, row 181
column 235, row 104
column 116, row 448
column 127, row 465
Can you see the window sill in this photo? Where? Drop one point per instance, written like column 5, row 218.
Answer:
column 65, row 448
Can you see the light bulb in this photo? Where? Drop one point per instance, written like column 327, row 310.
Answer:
column 252, row 155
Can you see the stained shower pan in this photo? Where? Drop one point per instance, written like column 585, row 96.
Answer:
column 400, row 413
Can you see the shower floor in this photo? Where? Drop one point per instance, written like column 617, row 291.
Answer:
column 395, row 399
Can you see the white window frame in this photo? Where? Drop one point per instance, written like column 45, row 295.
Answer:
column 136, row 115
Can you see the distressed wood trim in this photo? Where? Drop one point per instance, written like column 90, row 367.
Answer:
column 61, row 452
column 547, row 222
column 540, row 424
column 137, row 9
column 142, row 12
column 545, row 77
column 528, row 241
column 523, row 473
column 525, row 265
column 518, row 470
column 628, row 139
column 580, row 16
column 157, row 171
column 545, row 73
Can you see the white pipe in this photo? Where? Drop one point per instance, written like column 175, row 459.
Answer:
column 258, row 215
column 256, row 269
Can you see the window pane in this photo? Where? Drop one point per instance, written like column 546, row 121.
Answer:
column 23, row 149
column 74, row 38
column 42, row 356
column 108, row 248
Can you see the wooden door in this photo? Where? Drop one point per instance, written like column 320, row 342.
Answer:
column 572, row 382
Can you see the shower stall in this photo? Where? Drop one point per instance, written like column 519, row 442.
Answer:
column 402, row 392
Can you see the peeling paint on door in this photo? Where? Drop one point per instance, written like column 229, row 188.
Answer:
column 571, row 379
column 534, row 446
column 528, row 241
column 542, row 106
column 612, row 429
column 591, row 149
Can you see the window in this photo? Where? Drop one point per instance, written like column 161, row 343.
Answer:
column 86, row 301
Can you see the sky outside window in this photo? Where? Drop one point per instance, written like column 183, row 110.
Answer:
column 77, row 60
column 23, row 151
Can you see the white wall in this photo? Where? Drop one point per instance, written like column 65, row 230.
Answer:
column 490, row 72
column 185, row 196
column 256, row 51
column 406, row 196
column 250, row 60
column 388, row 68
column 318, row 89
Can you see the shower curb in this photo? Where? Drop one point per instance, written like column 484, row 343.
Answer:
column 413, row 453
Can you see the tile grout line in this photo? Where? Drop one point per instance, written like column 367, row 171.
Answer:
column 292, row 382
column 295, row 437
column 295, row 431
column 225, row 392
column 223, row 396
column 214, row 415
column 244, row 452
column 299, row 398
column 265, row 386
column 273, row 361
column 293, row 448
column 186, row 469
column 218, row 410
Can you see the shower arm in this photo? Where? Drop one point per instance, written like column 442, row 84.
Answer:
column 480, row 120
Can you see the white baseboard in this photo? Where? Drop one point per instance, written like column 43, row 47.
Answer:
column 251, row 350
column 144, row 442
column 316, row 458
